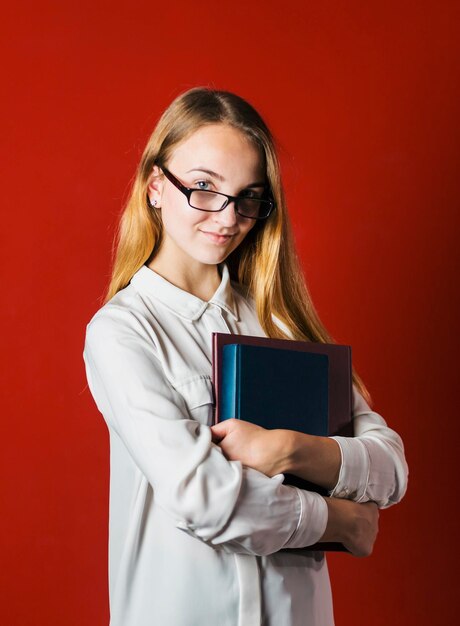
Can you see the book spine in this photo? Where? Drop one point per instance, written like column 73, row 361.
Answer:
column 238, row 380
column 229, row 387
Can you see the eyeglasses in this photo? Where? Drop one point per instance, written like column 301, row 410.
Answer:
column 253, row 207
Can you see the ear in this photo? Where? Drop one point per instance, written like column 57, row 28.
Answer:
column 155, row 186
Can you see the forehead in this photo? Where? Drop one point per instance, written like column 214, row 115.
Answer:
column 219, row 147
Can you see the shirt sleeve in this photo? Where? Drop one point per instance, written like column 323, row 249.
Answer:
column 215, row 500
column 373, row 464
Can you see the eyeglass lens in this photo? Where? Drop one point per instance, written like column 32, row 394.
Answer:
column 248, row 207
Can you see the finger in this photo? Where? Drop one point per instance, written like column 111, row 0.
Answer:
column 225, row 427
column 219, row 431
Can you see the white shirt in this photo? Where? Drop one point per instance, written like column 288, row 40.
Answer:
column 194, row 539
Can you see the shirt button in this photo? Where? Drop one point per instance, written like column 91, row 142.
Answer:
column 182, row 525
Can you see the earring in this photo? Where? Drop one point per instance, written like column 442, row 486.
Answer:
column 150, row 204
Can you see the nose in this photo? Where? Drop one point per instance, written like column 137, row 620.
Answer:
column 227, row 217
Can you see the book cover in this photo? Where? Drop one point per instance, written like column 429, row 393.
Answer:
column 276, row 388
column 340, row 374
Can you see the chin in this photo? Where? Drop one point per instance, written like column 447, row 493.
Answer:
column 213, row 259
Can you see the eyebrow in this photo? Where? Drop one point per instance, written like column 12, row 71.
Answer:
column 221, row 178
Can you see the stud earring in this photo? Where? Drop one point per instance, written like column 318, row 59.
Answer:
column 152, row 205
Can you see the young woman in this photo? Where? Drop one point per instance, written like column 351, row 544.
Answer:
column 199, row 514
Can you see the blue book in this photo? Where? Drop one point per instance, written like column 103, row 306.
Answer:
column 275, row 388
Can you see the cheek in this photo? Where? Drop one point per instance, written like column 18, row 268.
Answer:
column 247, row 228
column 177, row 218
column 244, row 231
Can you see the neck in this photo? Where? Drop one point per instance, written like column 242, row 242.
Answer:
column 200, row 280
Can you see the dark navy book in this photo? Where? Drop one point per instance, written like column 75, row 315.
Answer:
column 275, row 388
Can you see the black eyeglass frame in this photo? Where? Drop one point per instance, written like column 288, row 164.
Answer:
column 187, row 191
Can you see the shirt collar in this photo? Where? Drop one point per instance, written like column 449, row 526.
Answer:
column 182, row 303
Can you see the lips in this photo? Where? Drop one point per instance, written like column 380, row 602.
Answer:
column 217, row 237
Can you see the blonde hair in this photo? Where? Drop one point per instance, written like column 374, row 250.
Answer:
column 265, row 262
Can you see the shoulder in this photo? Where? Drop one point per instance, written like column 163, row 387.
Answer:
column 246, row 302
column 240, row 290
column 242, row 295
column 124, row 315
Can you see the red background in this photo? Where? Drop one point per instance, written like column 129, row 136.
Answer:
column 364, row 99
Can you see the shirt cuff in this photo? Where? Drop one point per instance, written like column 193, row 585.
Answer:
column 312, row 520
column 354, row 470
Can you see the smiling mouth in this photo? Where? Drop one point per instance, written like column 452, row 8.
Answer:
column 217, row 238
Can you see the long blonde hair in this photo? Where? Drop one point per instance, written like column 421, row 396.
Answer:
column 265, row 262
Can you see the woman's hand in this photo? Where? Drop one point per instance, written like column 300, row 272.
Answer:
column 256, row 447
column 353, row 524
column 280, row 451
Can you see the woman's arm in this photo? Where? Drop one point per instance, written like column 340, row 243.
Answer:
column 373, row 463
column 368, row 467
column 317, row 459
column 213, row 499
column 354, row 525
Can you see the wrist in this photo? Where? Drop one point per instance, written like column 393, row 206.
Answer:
column 315, row 458
column 339, row 521
column 285, row 450
column 300, row 453
column 352, row 524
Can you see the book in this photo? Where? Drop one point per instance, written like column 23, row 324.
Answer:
column 340, row 398
column 252, row 377
column 278, row 383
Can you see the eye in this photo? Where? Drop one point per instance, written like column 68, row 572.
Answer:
column 251, row 193
column 202, row 184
